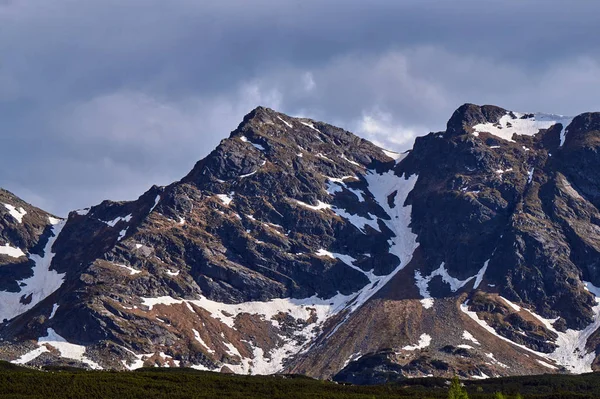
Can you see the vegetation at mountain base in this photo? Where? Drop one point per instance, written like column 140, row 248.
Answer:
column 153, row 383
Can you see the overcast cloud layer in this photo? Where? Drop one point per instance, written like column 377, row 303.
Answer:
column 103, row 98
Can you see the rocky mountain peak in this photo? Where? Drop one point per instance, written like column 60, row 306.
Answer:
column 297, row 246
column 468, row 115
column 584, row 130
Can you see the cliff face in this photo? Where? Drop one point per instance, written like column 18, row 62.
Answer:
column 296, row 246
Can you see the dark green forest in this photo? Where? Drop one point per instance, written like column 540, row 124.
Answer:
column 19, row 382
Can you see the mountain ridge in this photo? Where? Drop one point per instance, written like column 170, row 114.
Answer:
column 297, row 246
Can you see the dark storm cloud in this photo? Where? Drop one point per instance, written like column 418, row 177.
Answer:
column 101, row 99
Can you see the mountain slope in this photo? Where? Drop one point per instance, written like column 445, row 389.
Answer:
column 298, row 246
column 26, row 233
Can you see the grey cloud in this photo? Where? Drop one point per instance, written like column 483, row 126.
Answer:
column 101, row 99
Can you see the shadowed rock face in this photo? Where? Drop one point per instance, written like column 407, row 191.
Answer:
column 23, row 229
column 297, row 246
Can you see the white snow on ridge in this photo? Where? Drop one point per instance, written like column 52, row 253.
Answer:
column 402, row 245
column 286, row 123
column 493, row 359
column 17, row 214
column 67, row 350
column 267, row 363
column 464, row 307
column 323, row 252
column 257, row 146
column 571, row 351
column 204, row 344
column 310, row 125
column 43, row 282
column 469, row 337
column 349, row 260
column 113, row 223
column 156, row 201
column 320, row 205
column 455, row 284
column 29, row 356
column 122, row 234
column 11, row 251
column 480, row 274
column 54, row 309
column 248, row 174
column 522, row 126
column 530, row 175
column 53, row 220
column 392, row 154
column 345, row 158
column 360, row 222
column 336, row 185
column 404, row 242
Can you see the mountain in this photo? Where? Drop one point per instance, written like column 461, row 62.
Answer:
column 298, row 247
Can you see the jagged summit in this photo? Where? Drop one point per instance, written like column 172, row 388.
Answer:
column 468, row 115
column 266, row 135
column 297, row 246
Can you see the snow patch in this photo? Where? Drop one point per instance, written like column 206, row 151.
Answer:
column 469, row 337
column 320, row 205
column 455, row 284
column 515, row 307
column 391, row 154
column 310, row 125
column 424, row 341
column 122, row 234
column 427, row 303
column 482, row 376
column 493, row 358
column 336, row 185
column 226, row 198
column 17, row 214
column 359, row 221
column 54, row 309
column 53, row 220
column 522, row 125
column 248, row 174
column 349, row 260
column 314, row 308
column 66, row 349
column 131, row 270
column 257, row 146
column 29, row 356
column 345, row 158
column 11, row 251
column 286, row 123
column 204, row 344
column 112, row 223
column 156, row 201
column 480, row 274
column 43, row 282
column 322, row 252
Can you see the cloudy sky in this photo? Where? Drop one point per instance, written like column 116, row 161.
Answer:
column 103, row 98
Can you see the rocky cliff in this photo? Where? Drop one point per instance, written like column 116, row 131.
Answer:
column 296, row 246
